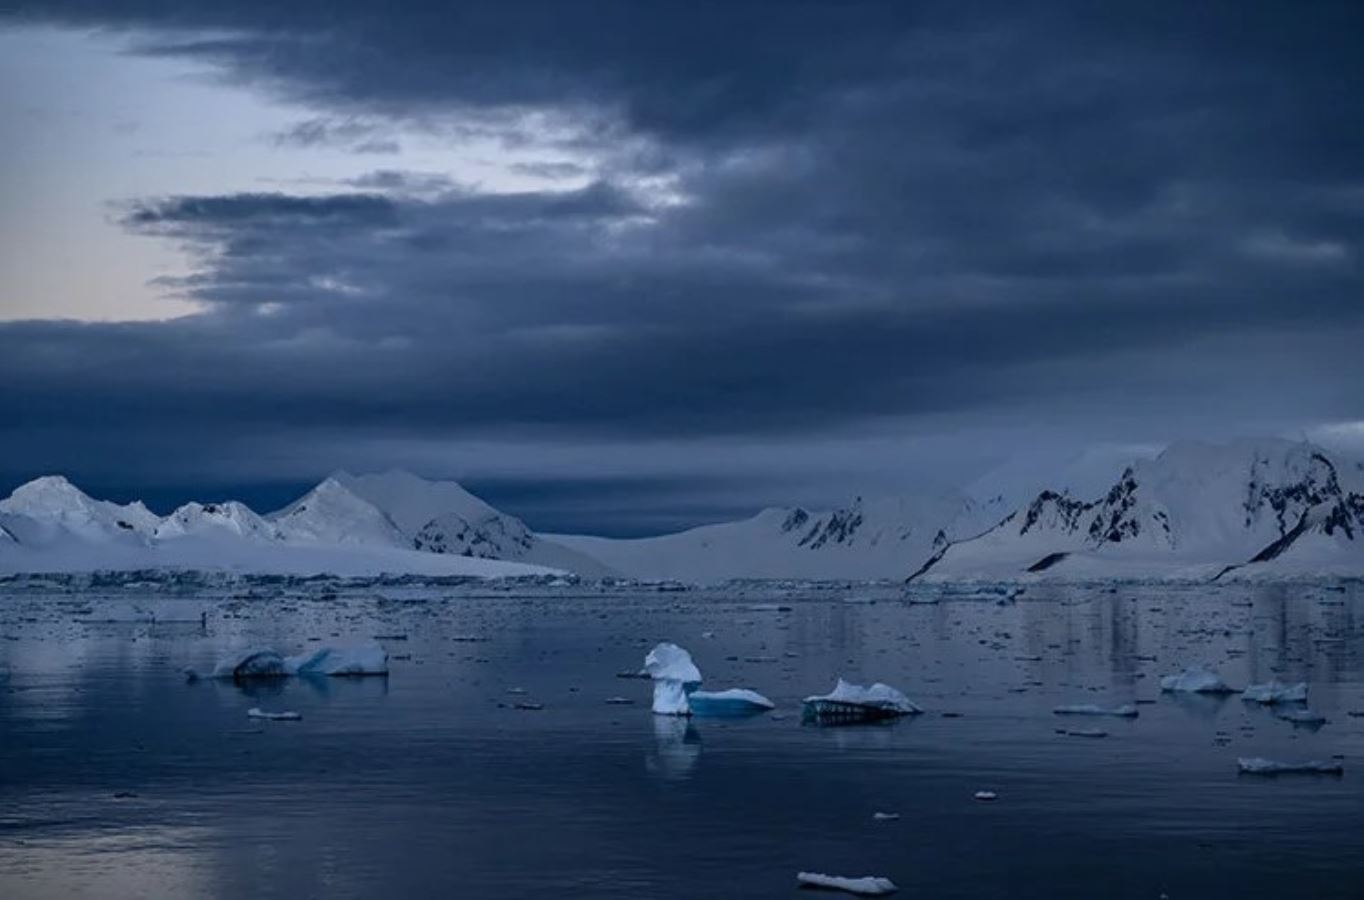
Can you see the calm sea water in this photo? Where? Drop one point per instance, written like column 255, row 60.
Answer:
column 119, row 779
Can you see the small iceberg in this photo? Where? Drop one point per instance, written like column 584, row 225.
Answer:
column 263, row 663
column 675, row 676
column 258, row 713
column 1272, row 692
column 1302, row 717
column 733, row 702
column 1257, row 765
column 1196, row 680
column 676, row 682
column 855, row 703
column 866, row 886
column 1126, row 711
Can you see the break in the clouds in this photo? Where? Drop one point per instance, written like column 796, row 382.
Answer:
column 772, row 228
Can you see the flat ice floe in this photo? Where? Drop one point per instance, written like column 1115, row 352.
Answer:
column 856, row 703
column 1276, row 692
column 866, row 886
column 733, row 702
column 264, row 662
column 258, row 713
column 1126, row 711
column 1258, row 765
column 1196, row 680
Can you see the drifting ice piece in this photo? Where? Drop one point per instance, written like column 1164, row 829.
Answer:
column 1276, row 692
column 359, row 659
column 1301, row 717
column 866, row 886
column 257, row 713
column 733, row 702
column 356, row 659
column 1258, row 765
column 1089, row 709
column 1196, row 680
column 254, row 663
column 674, row 675
column 855, row 703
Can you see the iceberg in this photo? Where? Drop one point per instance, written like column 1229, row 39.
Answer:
column 674, row 675
column 733, row 702
column 866, row 886
column 855, row 703
column 1276, row 692
column 263, row 662
column 1258, row 765
column 355, row 659
column 1196, row 680
column 1126, row 711
column 1302, row 717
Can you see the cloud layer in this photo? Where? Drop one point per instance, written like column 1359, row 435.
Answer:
column 777, row 223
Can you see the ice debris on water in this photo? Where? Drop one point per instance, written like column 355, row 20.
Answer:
column 856, row 703
column 1276, row 692
column 1258, row 765
column 1127, row 711
column 866, row 886
column 1196, row 680
column 986, row 795
column 884, row 816
column 1301, row 717
column 258, row 713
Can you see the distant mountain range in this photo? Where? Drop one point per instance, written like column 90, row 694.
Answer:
column 1262, row 509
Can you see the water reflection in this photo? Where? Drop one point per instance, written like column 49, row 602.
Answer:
column 677, row 748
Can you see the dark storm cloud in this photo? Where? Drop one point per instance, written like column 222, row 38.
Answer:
column 804, row 216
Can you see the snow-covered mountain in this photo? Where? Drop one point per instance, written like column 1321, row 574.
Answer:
column 397, row 508
column 884, row 538
column 1269, row 506
column 50, row 525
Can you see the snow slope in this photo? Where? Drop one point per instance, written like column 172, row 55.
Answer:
column 1260, row 508
column 867, row 539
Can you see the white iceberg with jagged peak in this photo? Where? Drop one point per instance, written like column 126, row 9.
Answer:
column 855, row 703
column 865, row 886
column 677, row 680
column 1275, row 691
column 1196, row 680
column 669, row 662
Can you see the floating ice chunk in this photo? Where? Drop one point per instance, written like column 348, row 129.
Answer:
column 1196, row 680
column 257, row 713
column 1089, row 709
column 855, row 703
column 1087, row 732
column 885, row 816
column 1276, row 692
column 1302, row 717
column 669, row 662
column 356, row 659
column 866, row 886
column 259, row 662
column 1258, row 765
column 986, row 795
column 674, row 675
column 733, row 702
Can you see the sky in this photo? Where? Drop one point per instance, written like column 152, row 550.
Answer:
column 625, row 267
